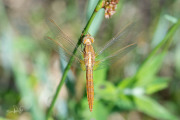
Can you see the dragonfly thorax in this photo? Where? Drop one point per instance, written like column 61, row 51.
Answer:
column 88, row 40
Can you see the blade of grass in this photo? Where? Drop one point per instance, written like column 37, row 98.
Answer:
column 164, row 44
column 141, row 74
column 85, row 31
column 170, row 33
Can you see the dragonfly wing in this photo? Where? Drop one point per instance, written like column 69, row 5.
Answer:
column 62, row 44
column 60, row 49
column 109, row 60
column 117, row 47
column 121, row 39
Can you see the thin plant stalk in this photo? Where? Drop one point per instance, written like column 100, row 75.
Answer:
column 168, row 36
column 85, row 31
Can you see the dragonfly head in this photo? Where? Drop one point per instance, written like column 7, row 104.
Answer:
column 88, row 40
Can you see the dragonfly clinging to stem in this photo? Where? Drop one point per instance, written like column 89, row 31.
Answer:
column 88, row 58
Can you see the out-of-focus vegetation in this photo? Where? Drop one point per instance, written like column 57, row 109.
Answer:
column 143, row 85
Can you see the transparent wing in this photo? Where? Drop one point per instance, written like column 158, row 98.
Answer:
column 110, row 59
column 62, row 44
column 61, row 50
column 117, row 47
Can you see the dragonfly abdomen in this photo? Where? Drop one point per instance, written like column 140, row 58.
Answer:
column 89, row 59
column 90, row 86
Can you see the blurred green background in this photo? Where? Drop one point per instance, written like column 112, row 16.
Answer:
column 143, row 85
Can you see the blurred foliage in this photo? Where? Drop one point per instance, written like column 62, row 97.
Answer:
column 144, row 85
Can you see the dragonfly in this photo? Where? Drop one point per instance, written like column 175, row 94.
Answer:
column 88, row 58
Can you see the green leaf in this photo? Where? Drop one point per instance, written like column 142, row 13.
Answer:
column 171, row 18
column 106, row 91
column 154, row 61
column 100, row 111
column 126, row 83
column 84, row 112
column 158, row 83
column 177, row 60
column 152, row 108
column 147, row 72
column 99, row 76
column 124, row 102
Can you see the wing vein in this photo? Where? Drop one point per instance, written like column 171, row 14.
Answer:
column 67, row 51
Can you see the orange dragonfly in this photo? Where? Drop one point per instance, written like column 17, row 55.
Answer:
column 88, row 58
